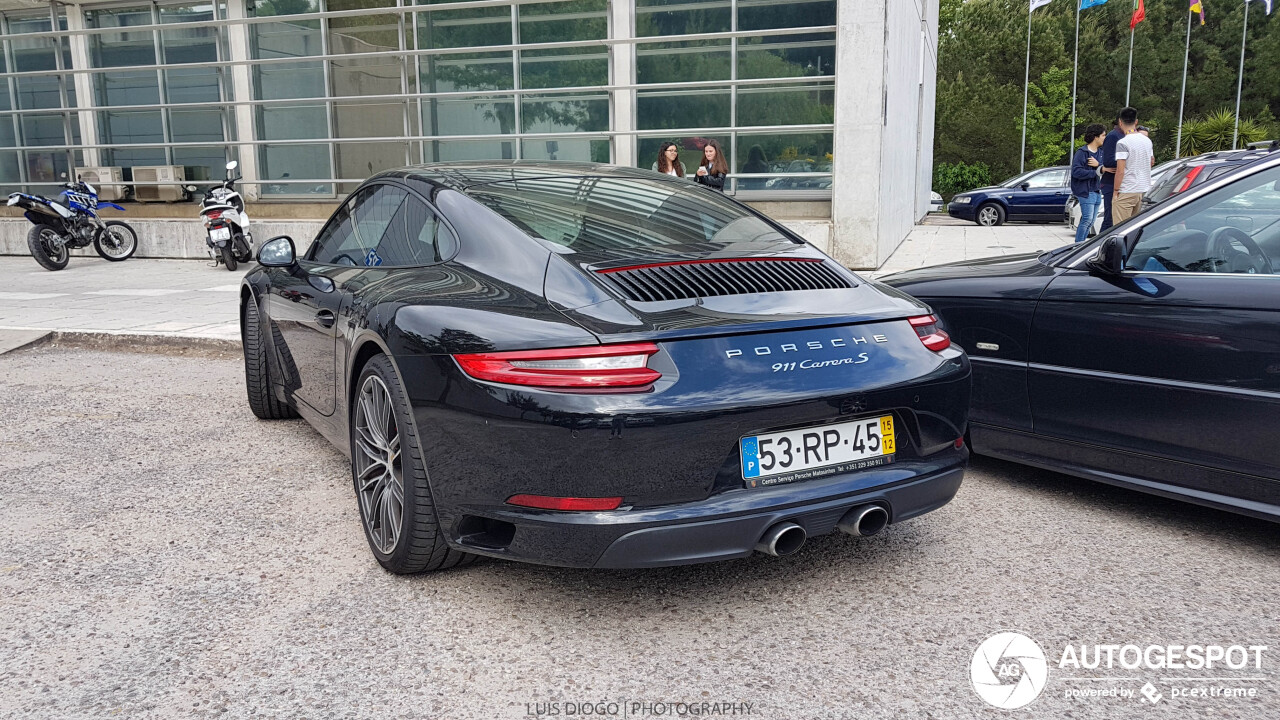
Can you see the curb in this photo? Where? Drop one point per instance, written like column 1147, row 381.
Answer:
column 138, row 342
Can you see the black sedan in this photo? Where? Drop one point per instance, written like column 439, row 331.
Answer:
column 591, row 366
column 1148, row 358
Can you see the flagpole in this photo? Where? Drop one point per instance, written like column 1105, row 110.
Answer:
column 1026, row 84
column 1244, row 37
column 1186, row 54
column 1075, row 68
column 1129, row 82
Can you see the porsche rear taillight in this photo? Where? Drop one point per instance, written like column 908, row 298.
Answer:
column 617, row 367
column 933, row 337
column 1188, row 180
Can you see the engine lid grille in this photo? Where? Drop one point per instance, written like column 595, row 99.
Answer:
column 689, row 279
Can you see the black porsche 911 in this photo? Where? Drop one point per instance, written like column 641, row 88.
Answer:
column 1148, row 358
column 591, row 366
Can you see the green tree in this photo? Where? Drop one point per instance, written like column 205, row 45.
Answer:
column 1048, row 114
column 981, row 46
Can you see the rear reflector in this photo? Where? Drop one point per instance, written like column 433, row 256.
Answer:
column 546, row 502
column 1190, row 178
column 599, row 366
column 926, row 326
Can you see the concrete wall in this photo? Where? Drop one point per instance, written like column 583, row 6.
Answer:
column 885, row 79
column 163, row 238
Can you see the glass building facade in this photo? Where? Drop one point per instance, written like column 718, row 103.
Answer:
column 313, row 96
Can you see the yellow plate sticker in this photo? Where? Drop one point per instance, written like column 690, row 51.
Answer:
column 886, row 435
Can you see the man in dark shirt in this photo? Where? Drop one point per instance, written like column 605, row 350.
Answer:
column 1109, row 166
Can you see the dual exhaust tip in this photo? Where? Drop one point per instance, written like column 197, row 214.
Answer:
column 785, row 538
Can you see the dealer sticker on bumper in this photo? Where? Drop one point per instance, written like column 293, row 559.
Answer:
column 815, row 452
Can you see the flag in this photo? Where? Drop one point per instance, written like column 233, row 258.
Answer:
column 1041, row 3
column 1267, row 2
column 1196, row 6
column 1090, row 3
column 1140, row 13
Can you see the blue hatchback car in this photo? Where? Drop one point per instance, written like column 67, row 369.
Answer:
column 1037, row 196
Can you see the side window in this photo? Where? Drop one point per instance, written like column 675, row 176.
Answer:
column 1235, row 229
column 373, row 212
column 336, row 239
column 411, row 238
column 1048, row 179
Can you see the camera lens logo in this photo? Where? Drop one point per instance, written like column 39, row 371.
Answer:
column 1008, row 670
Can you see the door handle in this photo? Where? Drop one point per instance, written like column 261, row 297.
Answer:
column 325, row 318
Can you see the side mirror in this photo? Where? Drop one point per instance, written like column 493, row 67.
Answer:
column 277, row 252
column 1110, row 257
column 233, row 165
column 1026, row 186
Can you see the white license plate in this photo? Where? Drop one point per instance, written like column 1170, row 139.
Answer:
column 814, row 452
column 220, row 233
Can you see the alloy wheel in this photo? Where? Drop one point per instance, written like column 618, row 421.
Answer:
column 988, row 216
column 379, row 471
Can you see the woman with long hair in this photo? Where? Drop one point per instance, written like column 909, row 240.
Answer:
column 668, row 162
column 714, row 167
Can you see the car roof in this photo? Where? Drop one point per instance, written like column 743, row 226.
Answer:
column 463, row 175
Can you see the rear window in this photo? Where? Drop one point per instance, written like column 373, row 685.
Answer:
column 1164, row 189
column 594, row 213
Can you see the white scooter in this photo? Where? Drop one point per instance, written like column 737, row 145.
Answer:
column 222, row 211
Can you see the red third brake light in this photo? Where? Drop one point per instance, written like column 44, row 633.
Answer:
column 1190, row 178
column 546, row 502
column 600, row 366
column 934, row 338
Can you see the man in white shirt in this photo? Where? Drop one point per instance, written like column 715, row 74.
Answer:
column 1134, row 158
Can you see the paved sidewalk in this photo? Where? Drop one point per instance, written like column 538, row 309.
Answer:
column 942, row 239
column 190, row 299
column 182, row 298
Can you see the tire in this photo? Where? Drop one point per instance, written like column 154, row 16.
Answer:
column 123, row 242
column 257, row 378
column 245, row 256
column 228, row 257
column 408, row 540
column 37, row 237
column 989, row 215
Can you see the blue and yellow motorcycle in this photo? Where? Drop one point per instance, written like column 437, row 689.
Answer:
column 71, row 221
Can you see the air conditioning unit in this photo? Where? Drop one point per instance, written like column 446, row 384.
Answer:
column 144, row 192
column 108, row 180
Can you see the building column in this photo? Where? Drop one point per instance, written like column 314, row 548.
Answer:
column 622, row 71
column 860, row 98
column 86, row 100
column 242, row 89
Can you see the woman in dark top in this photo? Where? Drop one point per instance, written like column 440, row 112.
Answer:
column 714, row 167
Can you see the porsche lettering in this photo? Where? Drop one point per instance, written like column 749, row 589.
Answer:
column 810, row 345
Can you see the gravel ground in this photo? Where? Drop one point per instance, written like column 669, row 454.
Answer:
column 165, row 554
